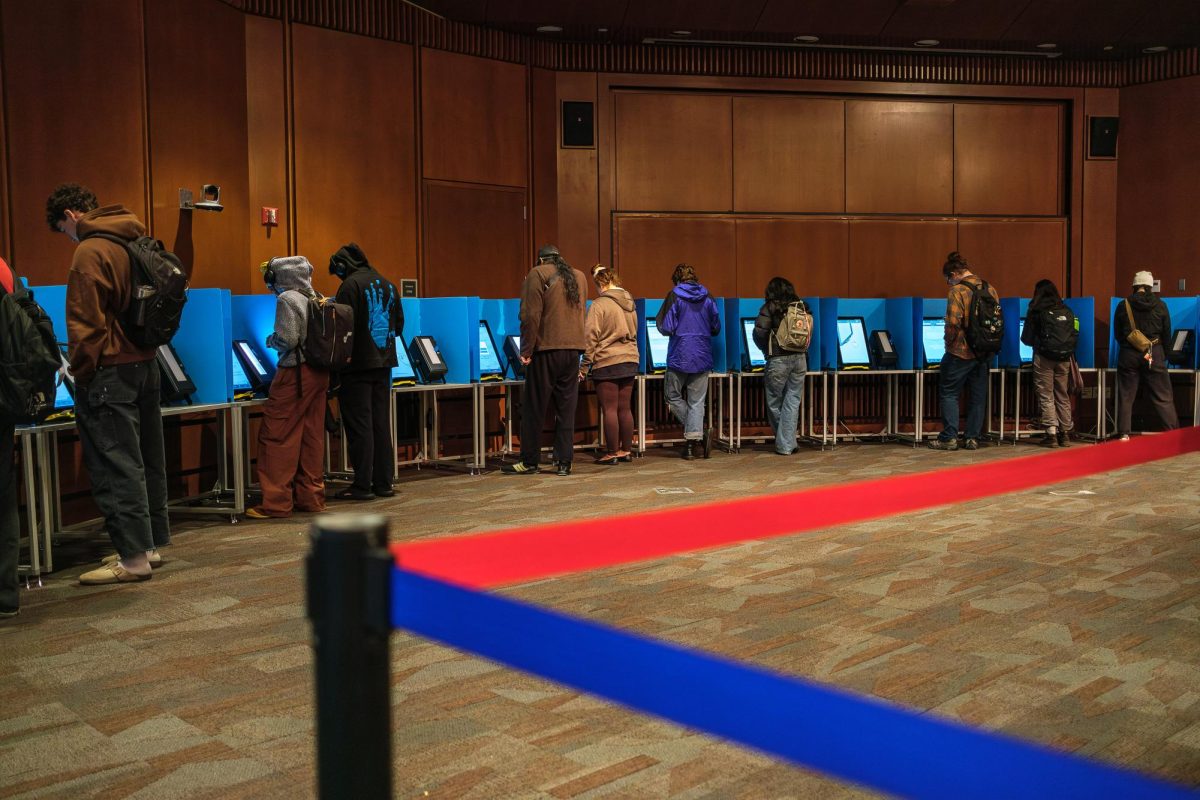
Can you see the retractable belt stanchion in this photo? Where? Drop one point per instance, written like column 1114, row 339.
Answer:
column 349, row 571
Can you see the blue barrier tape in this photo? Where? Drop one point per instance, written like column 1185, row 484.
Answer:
column 858, row 739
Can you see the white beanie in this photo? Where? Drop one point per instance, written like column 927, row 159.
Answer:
column 1143, row 278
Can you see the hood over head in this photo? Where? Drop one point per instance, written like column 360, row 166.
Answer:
column 347, row 260
column 691, row 291
column 292, row 273
column 114, row 220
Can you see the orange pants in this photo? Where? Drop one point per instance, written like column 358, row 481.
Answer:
column 291, row 443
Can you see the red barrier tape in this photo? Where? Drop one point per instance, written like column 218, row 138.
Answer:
column 524, row 554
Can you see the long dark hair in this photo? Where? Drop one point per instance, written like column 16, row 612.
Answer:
column 1045, row 295
column 566, row 275
column 779, row 293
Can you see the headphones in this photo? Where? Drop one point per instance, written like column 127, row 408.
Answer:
column 267, row 269
column 337, row 267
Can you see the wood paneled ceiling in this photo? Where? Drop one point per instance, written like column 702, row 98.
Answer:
column 1079, row 29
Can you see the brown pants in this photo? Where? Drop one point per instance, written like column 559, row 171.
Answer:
column 291, row 443
column 1050, row 380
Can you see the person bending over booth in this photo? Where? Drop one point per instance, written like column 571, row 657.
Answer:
column 291, row 439
column 1142, row 360
column 785, row 368
column 366, row 385
column 689, row 317
column 611, row 357
column 553, row 301
column 1051, row 330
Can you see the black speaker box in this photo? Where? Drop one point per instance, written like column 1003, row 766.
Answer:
column 1102, row 137
column 577, row 124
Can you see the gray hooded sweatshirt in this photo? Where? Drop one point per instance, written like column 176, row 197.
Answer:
column 293, row 284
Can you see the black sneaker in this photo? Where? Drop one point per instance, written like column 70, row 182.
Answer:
column 384, row 491
column 1049, row 440
column 971, row 444
column 520, row 468
column 1064, row 439
column 564, row 469
column 687, row 451
column 6, row 613
column 942, row 444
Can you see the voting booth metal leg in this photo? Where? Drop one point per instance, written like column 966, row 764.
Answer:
column 29, row 475
column 349, row 603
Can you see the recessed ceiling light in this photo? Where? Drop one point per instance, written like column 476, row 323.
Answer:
column 681, row 33
column 602, row 30
column 926, row 42
column 1158, row 48
column 807, row 39
column 1047, row 46
column 549, row 29
column 1107, row 47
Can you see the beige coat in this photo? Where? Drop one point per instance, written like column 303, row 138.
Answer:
column 611, row 331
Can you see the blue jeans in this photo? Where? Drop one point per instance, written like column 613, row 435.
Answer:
column 958, row 372
column 785, row 387
column 686, row 392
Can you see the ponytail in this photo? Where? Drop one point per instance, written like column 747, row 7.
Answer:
column 567, row 275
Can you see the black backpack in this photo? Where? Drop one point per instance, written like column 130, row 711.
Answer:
column 329, row 335
column 159, row 291
column 1058, row 333
column 985, row 325
column 29, row 358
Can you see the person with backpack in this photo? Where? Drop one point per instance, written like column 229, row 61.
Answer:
column 974, row 330
column 611, row 358
column 690, row 318
column 783, row 331
column 366, row 385
column 291, row 439
column 116, row 381
column 553, row 303
column 1142, row 323
column 1052, row 331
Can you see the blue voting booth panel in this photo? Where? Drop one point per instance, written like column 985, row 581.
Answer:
column 894, row 315
column 1084, row 309
column 648, row 309
column 54, row 300
column 503, row 316
column 1184, row 313
column 204, row 344
column 454, row 323
column 737, row 309
column 1012, row 352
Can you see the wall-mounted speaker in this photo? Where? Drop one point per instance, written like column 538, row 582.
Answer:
column 1102, row 137
column 578, row 124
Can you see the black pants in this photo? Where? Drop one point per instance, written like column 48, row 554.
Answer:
column 616, row 408
column 552, row 376
column 1133, row 370
column 10, row 525
column 120, row 426
column 366, row 413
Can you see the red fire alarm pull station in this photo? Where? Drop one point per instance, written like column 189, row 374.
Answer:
column 270, row 216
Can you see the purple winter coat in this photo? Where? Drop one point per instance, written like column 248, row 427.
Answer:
column 691, row 320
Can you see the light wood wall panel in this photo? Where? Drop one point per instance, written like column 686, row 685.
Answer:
column 69, row 120
column 473, row 119
column 1158, row 178
column 894, row 258
column 578, row 198
column 674, row 152
column 812, row 254
column 266, row 137
column 475, row 242
column 196, row 59
column 1008, row 158
column 1013, row 255
column 899, row 157
column 354, row 182
column 789, row 154
column 648, row 248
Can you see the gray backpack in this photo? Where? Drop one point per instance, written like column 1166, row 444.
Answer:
column 794, row 333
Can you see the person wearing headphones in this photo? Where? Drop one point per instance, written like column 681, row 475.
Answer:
column 553, row 301
column 291, row 440
column 366, row 385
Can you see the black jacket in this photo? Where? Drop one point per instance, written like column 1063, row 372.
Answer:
column 1151, row 314
column 378, row 318
column 769, row 317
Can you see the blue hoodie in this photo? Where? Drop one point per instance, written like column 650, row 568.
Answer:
column 691, row 320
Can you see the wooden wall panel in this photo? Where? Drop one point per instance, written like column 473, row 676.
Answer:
column 812, row 254
column 1159, row 171
column 68, row 120
column 674, row 152
column 475, row 242
column 358, row 187
column 266, row 137
column 543, row 140
column 1013, row 255
column 789, row 154
column 196, row 66
column 1008, row 158
column 473, row 119
column 646, row 250
column 894, row 258
column 1097, row 270
column 578, row 189
column 899, row 157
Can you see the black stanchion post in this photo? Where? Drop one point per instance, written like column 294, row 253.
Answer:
column 349, row 603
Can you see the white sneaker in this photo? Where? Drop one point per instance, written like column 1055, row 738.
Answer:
column 154, row 557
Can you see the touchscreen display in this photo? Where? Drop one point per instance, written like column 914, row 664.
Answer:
column 403, row 370
column 755, row 355
column 489, row 359
column 658, row 345
column 852, row 342
column 933, row 337
column 240, row 382
column 1025, row 351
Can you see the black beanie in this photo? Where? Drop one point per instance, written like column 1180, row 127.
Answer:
column 351, row 255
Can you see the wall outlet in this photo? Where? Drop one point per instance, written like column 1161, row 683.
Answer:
column 1183, row 284
column 1157, row 286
